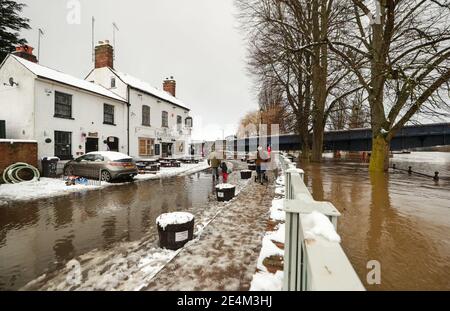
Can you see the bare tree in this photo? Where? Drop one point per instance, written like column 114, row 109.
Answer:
column 289, row 44
column 399, row 51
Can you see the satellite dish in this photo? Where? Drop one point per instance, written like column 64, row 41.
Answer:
column 11, row 82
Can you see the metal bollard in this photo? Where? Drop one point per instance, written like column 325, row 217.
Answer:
column 436, row 176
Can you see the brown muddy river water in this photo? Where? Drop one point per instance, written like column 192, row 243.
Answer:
column 42, row 235
column 400, row 220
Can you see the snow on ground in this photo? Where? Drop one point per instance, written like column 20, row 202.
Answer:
column 132, row 265
column 45, row 188
column 49, row 187
column 263, row 280
column 276, row 210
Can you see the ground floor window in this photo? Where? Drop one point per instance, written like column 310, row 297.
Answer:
column 63, row 145
column 146, row 146
column 157, row 149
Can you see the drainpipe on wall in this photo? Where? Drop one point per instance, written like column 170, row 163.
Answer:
column 128, row 120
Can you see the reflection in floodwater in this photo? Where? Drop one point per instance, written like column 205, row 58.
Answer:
column 38, row 236
column 399, row 220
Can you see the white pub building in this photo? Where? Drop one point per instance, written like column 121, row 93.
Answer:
column 159, row 123
column 109, row 110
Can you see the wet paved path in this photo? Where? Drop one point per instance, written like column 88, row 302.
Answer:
column 225, row 256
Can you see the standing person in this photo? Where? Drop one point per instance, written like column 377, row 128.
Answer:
column 214, row 161
column 261, row 158
column 224, row 168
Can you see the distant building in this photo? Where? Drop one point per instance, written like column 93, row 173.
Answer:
column 159, row 123
column 65, row 115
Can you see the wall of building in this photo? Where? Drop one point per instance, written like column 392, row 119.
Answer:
column 156, row 131
column 102, row 76
column 87, row 113
column 16, row 102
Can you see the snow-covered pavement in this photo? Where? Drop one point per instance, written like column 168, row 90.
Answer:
column 49, row 187
column 225, row 256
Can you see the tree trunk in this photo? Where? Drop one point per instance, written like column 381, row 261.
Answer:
column 379, row 159
column 317, row 146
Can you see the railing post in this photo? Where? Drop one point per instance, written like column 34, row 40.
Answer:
column 293, row 238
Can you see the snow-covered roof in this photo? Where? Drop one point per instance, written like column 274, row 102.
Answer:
column 147, row 88
column 57, row 76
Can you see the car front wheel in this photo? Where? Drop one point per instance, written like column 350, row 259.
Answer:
column 106, row 176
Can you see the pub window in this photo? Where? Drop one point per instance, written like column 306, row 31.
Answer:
column 63, row 145
column 146, row 147
column 188, row 122
column 165, row 119
column 113, row 83
column 63, row 105
column 179, row 122
column 108, row 114
column 146, row 115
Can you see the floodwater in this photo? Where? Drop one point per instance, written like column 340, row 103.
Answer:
column 401, row 221
column 43, row 235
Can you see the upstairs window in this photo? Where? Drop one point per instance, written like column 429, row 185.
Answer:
column 113, row 83
column 146, row 115
column 179, row 122
column 188, row 122
column 165, row 119
column 108, row 114
column 63, row 105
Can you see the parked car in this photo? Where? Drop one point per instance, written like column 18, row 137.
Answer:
column 106, row 165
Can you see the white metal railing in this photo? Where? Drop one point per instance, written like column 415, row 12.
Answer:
column 318, row 265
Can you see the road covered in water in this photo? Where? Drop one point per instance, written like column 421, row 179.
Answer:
column 400, row 220
column 40, row 236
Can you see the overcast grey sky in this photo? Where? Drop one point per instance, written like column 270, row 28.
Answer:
column 196, row 41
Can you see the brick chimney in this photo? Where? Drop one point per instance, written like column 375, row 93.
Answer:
column 104, row 55
column 170, row 86
column 26, row 52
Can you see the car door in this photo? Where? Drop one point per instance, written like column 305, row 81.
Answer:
column 76, row 165
column 96, row 165
column 85, row 165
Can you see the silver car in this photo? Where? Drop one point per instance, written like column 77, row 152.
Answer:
column 105, row 165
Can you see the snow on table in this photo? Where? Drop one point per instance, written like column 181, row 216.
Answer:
column 167, row 172
column 176, row 218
